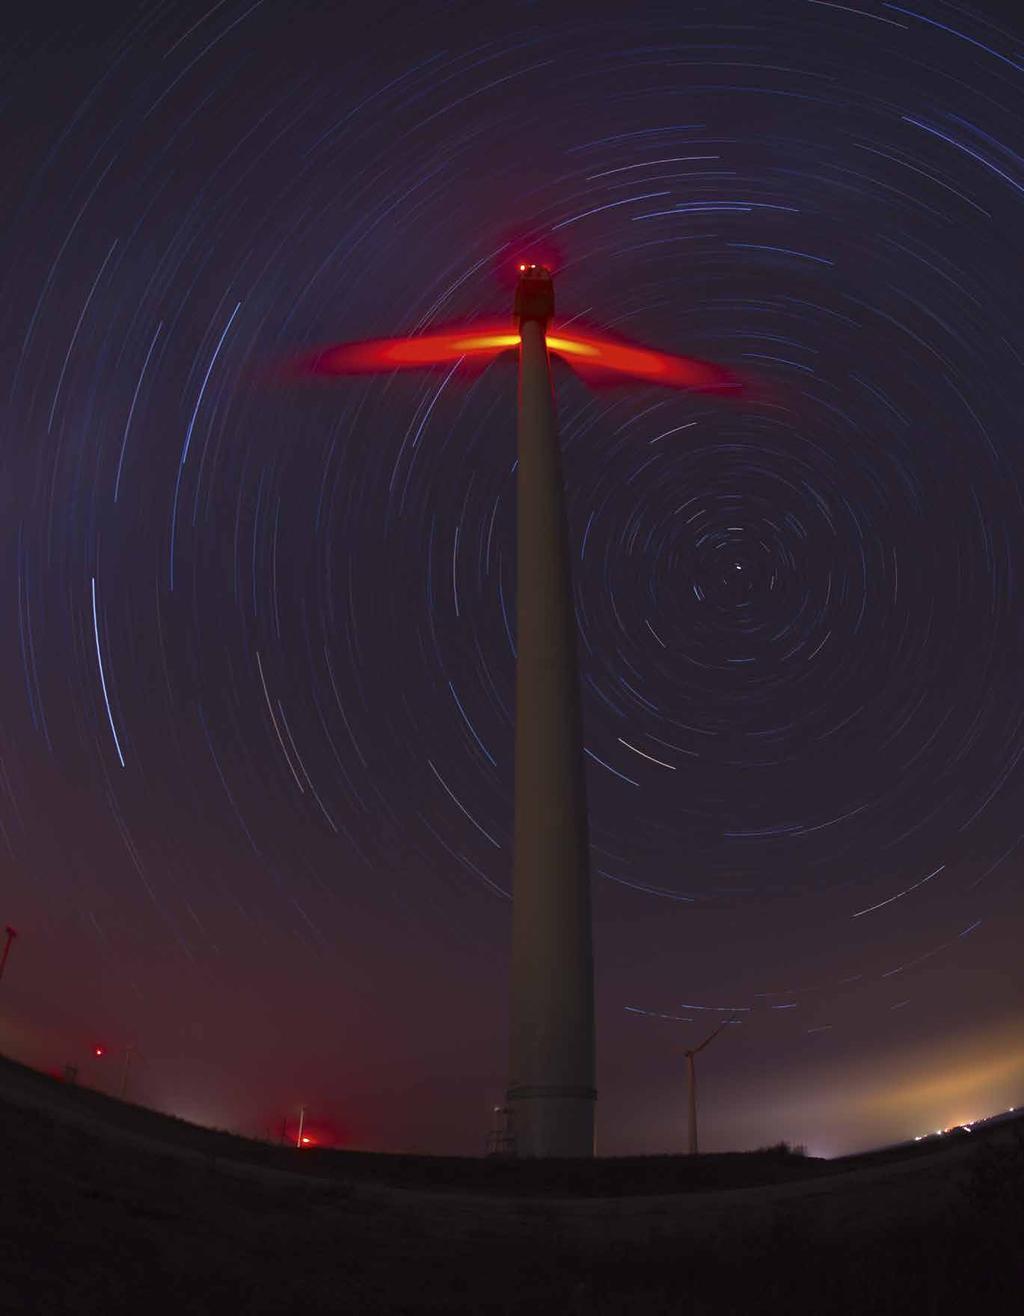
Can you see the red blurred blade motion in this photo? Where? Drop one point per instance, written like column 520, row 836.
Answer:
column 384, row 354
column 592, row 356
column 588, row 354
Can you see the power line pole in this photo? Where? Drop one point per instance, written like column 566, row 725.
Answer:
column 124, row 1072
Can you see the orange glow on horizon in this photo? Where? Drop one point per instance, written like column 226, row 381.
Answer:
column 591, row 355
column 963, row 1085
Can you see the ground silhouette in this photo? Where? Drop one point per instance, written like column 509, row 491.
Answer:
column 108, row 1207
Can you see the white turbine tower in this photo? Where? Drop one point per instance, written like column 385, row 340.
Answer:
column 693, row 1079
column 551, row 1091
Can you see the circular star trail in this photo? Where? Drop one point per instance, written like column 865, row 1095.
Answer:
column 258, row 660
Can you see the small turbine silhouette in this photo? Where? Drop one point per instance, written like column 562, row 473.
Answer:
column 692, row 1074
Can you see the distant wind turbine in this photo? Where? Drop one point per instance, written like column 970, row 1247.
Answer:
column 11, row 934
column 693, row 1080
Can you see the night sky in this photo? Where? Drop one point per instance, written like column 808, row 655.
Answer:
column 257, row 638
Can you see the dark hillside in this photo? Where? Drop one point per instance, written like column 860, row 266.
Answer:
column 111, row 1208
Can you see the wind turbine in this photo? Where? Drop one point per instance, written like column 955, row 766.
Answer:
column 693, row 1079
column 551, row 1093
column 11, row 933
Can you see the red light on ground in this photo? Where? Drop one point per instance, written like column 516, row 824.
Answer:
column 306, row 1142
column 523, row 269
column 98, row 1051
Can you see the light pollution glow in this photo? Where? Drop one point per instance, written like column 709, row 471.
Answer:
column 895, row 1098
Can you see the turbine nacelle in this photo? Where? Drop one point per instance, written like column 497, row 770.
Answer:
column 535, row 294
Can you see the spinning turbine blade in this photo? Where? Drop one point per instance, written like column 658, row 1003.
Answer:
column 711, row 1036
column 589, row 354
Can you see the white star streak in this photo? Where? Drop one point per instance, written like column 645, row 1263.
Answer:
column 906, row 892
column 649, row 757
column 103, row 679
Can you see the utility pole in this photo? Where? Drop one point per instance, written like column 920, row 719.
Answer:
column 11, row 934
column 302, row 1117
column 124, row 1072
column 692, row 1074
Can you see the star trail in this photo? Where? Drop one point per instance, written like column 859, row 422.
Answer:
column 256, row 719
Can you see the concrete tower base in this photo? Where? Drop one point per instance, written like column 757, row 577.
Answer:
column 547, row 1122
